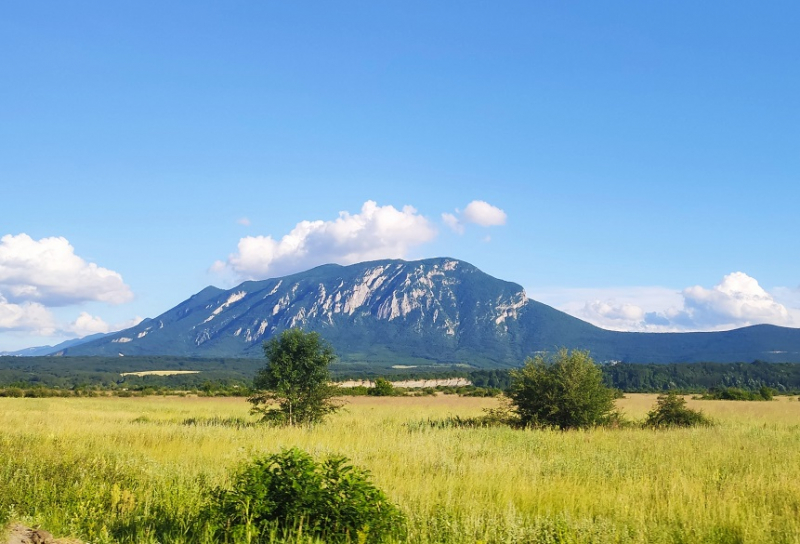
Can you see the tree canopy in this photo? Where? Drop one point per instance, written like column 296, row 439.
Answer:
column 294, row 386
column 563, row 390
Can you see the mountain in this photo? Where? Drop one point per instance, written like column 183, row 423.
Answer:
column 48, row 350
column 421, row 312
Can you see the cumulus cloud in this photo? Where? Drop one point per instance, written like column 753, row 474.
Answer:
column 483, row 214
column 477, row 212
column 48, row 272
column 737, row 301
column 788, row 296
column 609, row 310
column 377, row 232
column 87, row 324
column 28, row 316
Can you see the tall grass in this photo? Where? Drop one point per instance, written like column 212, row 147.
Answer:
column 139, row 469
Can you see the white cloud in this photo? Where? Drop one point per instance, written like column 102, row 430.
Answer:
column 483, row 214
column 87, row 324
column 452, row 222
column 377, row 232
column 243, row 221
column 737, row 301
column 47, row 271
column 29, row 316
column 788, row 296
column 477, row 212
column 622, row 313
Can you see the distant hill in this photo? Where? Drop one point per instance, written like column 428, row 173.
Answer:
column 48, row 350
column 422, row 312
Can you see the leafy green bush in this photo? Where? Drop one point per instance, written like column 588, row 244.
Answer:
column 288, row 493
column 563, row 390
column 671, row 411
column 382, row 388
column 735, row 393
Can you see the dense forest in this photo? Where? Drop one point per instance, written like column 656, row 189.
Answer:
column 229, row 374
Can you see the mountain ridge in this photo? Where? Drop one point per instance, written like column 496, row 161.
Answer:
column 439, row 310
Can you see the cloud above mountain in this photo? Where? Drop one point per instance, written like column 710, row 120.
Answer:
column 736, row 301
column 39, row 275
column 87, row 324
column 29, row 316
column 48, row 272
column 376, row 232
column 477, row 212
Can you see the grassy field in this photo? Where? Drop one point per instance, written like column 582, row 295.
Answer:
column 135, row 470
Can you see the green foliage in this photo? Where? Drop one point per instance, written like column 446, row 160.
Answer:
column 294, row 387
column 671, row 411
column 565, row 390
column 735, row 393
column 382, row 388
column 288, row 493
column 700, row 377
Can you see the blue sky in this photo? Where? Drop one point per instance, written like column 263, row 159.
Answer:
column 635, row 164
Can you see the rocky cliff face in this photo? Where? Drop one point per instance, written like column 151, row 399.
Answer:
column 442, row 303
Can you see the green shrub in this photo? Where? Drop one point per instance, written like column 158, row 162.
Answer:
column 671, row 411
column 288, row 494
column 735, row 393
column 382, row 388
column 564, row 390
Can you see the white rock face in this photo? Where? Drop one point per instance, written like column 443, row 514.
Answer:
column 235, row 297
column 422, row 296
column 509, row 309
column 274, row 289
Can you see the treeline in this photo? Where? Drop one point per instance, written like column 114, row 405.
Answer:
column 784, row 378
column 234, row 376
column 701, row 377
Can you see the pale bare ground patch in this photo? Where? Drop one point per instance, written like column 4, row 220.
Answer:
column 411, row 384
column 160, row 373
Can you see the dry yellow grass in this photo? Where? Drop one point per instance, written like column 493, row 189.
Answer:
column 737, row 481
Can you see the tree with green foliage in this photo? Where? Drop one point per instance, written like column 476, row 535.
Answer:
column 563, row 390
column 382, row 388
column 294, row 387
column 671, row 411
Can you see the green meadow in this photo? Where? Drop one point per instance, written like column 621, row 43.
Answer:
column 113, row 469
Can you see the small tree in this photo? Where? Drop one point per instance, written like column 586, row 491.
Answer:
column 564, row 390
column 382, row 388
column 671, row 411
column 293, row 388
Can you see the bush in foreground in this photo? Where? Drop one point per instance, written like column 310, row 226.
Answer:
column 288, row 493
column 671, row 411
